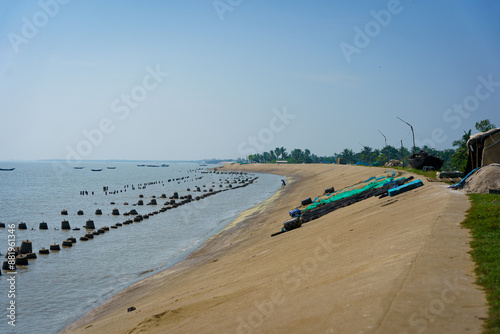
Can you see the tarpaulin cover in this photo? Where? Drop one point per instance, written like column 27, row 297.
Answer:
column 371, row 183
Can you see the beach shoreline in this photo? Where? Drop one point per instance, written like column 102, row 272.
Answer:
column 200, row 255
column 407, row 253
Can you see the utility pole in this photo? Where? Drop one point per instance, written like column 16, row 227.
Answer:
column 384, row 137
column 413, row 133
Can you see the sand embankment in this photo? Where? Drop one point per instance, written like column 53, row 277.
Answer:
column 391, row 265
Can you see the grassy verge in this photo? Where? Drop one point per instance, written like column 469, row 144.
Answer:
column 431, row 174
column 483, row 219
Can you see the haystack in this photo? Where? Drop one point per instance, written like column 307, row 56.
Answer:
column 483, row 180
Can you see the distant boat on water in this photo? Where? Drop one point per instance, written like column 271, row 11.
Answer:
column 141, row 165
column 111, row 167
column 7, row 169
column 96, row 170
column 78, row 167
column 152, row 166
column 164, row 165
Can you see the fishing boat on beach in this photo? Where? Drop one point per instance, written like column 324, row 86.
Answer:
column 423, row 159
column 7, row 169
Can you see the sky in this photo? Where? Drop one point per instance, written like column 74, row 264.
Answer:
column 189, row 80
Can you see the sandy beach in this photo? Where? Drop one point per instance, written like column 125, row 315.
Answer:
column 392, row 265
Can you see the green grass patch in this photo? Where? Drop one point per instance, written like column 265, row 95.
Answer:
column 430, row 174
column 483, row 219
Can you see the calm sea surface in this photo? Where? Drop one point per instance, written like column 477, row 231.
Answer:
column 56, row 289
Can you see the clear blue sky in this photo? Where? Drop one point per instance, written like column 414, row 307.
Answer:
column 168, row 80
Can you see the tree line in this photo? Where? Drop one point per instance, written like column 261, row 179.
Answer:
column 455, row 159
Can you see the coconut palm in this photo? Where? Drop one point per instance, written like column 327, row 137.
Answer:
column 347, row 155
column 459, row 159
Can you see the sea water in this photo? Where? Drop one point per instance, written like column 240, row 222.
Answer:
column 56, row 289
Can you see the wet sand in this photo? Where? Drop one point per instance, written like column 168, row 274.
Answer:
column 392, row 265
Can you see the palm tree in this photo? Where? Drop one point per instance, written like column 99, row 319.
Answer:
column 277, row 152
column 347, row 155
column 272, row 156
column 284, row 154
column 446, row 155
column 462, row 142
column 459, row 159
column 375, row 155
column 366, row 153
column 297, row 155
column 307, row 156
column 390, row 152
column 255, row 157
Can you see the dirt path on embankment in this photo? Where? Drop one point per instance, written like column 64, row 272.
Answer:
column 391, row 265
